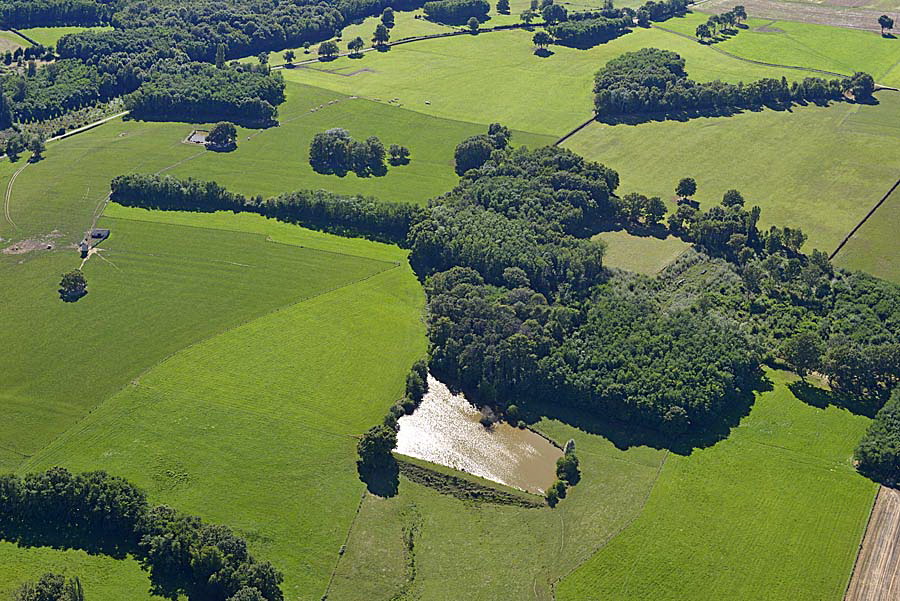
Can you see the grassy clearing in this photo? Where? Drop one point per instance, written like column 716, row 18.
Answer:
column 49, row 36
column 545, row 95
column 492, row 551
column 874, row 247
column 10, row 41
column 643, row 254
column 774, row 512
column 774, row 158
column 807, row 45
column 294, row 387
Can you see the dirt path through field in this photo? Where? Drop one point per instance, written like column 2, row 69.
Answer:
column 876, row 576
column 8, row 195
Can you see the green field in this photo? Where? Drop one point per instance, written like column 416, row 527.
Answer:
column 643, row 254
column 774, row 512
column 11, row 41
column 449, row 77
column 874, row 247
column 49, row 36
column 775, row 158
column 806, row 45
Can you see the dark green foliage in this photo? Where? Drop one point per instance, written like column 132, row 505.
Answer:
column 399, row 154
column 247, row 593
column 552, row 497
column 878, row 453
column 222, row 136
column 328, row 49
column 589, row 32
column 381, row 35
column 387, row 17
column 463, row 488
column 660, row 11
column 654, row 81
column 197, row 92
column 315, row 209
column 472, row 153
column 567, row 469
column 21, row 14
column 375, row 446
column 554, row 13
column 334, row 151
column 473, row 24
column 72, row 286
column 560, row 487
column 456, row 11
column 803, row 351
column 417, row 382
column 686, row 188
column 503, row 7
column 50, row 587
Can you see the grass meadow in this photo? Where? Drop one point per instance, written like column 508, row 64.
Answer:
column 49, row 36
column 873, row 248
column 643, row 254
column 774, row 512
column 820, row 169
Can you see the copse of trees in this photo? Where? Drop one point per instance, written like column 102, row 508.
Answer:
column 589, row 32
column 654, row 81
column 660, row 11
column 50, row 587
column 44, row 13
column 878, row 453
column 105, row 514
column 222, row 136
column 335, row 151
column 456, row 11
column 474, row 151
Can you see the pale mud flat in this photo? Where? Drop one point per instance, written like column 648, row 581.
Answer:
column 876, row 576
column 446, row 430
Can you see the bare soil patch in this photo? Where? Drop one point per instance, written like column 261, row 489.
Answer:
column 48, row 242
column 844, row 15
column 876, row 576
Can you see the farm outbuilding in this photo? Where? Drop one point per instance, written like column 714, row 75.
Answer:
column 99, row 234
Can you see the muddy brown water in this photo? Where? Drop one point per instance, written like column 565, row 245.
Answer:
column 446, row 429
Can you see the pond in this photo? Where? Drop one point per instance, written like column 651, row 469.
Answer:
column 446, row 429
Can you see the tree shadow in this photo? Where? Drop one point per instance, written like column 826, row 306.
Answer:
column 889, row 36
column 544, row 52
column 822, row 398
column 381, row 480
column 71, row 296
column 48, row 532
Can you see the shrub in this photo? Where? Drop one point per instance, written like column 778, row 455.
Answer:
column 72, row 286
column 552, row 497
column 567, row 468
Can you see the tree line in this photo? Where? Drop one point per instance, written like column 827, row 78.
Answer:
column 456, row 11
column 105, row 514
column 47, row 13
column 584, row 33
column 654, row 81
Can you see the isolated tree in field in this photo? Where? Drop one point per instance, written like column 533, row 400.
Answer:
column 803, row 352
column 263, row 59
column 355, row 45
column 702, row 31
column 399, row 154
column 50, row 587
column 686, row 188
column 72, row 286
column 473, row 24
column 328, row 49
column 37, row 147
column 387, row 17
column 554, row 13
column 886, row 23
column 542, row 39
column 289, row 56
column 306, row 46
column 503, row 7
column 220, row 56
column 527, row 16
column 222, row 136
column 381, row 36
column 740, row 13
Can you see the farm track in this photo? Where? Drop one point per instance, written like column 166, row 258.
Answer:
column 8, row 195
column 876, row 575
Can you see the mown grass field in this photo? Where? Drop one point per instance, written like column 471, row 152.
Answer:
column 497, row 77
column 10, row 41
column 806, row 45
column 491, row 552
column 49, row 36
column 874, row 247
column 643, row 254
column 774, row 512
column 820, row 169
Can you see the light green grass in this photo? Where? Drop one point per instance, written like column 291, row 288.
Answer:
column 255, row 427
column 873, row 248
column 489, row 552
column 49, row 36
column 643, row 254
column 820, row 169
column 496, row 76
column 774, row 512
column 11, row 41
column 835, row 49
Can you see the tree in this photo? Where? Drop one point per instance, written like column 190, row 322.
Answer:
column 14, row 147
column 554, row 13
column 803, row 352
column 655, row 210
column 375, row 446
column 886, row 23
column 247, row 593
column 72, row 286
column 552, row 496
column 381, row 36
column 51, row 587
column 702, row 31
column 220, row 56
column 263, row 58
column 527, row 16
column 472, row 153
column 878, row 452
column 732, row 198
column 503, row 7
column 542, row 39
column 473, row 24
column 37, row 147
column 328, row 49
column 355, row 45
column 499, row 135
column 686, row 188
column 740, row 13
column 222, row 136
column 567, row 468
column 399, row 154
column 387, row 17
column 289, row 56
column 306, row 46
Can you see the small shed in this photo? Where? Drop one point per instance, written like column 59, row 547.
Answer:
column 83, row 248
column 99, row 234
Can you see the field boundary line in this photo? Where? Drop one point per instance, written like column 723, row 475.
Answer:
column 79, row 425
column 337, row 562
column 862, row 540
column 864, row 220
column 618, row 530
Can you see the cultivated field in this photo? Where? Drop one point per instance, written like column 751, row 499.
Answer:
column 859, row 14
column 774, row 512
column 876, row 576
column 773, row 157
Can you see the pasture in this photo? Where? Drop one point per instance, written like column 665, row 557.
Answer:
column 873, row 248
column 775, row 158
column 10, row 41
column 49, row 36
column 774, row 512
column 644, row 254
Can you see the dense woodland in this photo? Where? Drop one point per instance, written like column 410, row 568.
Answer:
column 41, row 13
column 106, row 514
column 879, row 450
column 456, row 11
column 654, row 81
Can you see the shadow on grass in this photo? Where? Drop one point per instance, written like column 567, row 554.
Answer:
column 544, row 52
column 381, row 480
column 822, row 398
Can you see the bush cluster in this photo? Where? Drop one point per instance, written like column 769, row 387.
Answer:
column 335, row 151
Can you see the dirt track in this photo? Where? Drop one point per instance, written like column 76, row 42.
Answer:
column 843, row 16
column 876, row 576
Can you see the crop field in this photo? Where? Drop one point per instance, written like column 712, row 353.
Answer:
column 780, row 166
column 858, row 14
column 541, row 544
column 447, row 77
column 822, row 47
column 776, row 504
column 49, row 36
column 643, row 254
